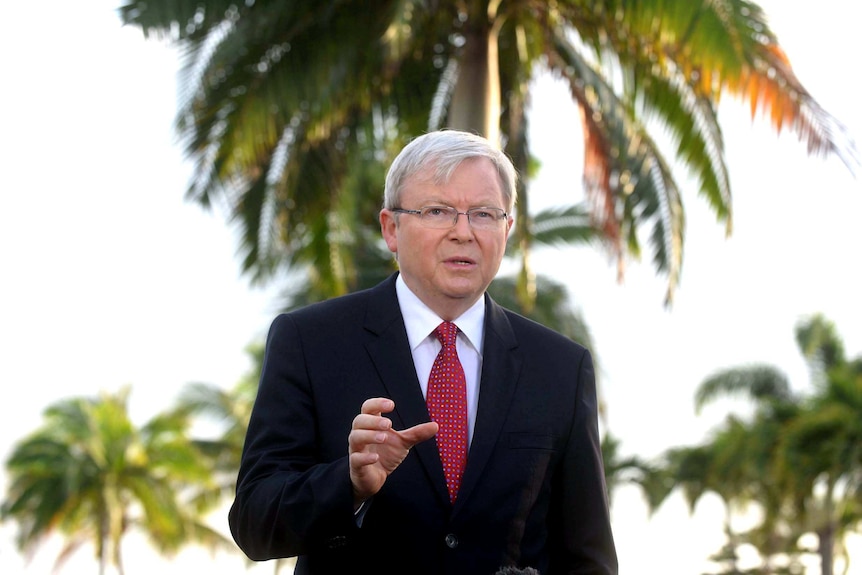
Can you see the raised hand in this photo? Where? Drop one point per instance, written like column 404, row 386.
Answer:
column 376, row 450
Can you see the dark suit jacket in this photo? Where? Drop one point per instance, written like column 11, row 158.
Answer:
column 533, row 493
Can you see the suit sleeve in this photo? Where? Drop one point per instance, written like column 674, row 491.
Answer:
column 587, row 542
column 288, row 501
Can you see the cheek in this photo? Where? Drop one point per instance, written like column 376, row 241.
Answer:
column 498, row 249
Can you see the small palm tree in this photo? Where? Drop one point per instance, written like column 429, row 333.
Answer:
column 226, row 413
column 229, row 411
column 654, row 482
column 89, row 475
column 822, row 448
column 799, row 457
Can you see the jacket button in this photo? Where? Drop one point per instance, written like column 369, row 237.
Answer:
column 451, row 541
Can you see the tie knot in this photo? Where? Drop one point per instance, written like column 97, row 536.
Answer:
column 447, row 333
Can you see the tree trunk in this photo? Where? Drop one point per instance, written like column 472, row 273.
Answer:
column 518, row 151
column 475, row 105
column 826, row 547
column 101, row 547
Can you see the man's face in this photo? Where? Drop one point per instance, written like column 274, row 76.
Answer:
column 448, row 269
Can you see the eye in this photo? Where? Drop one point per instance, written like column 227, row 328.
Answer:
column 480, row 214
column 436, row 211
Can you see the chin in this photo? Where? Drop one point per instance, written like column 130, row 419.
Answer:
column 460, row 291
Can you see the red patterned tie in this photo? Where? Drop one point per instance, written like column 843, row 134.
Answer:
column 447, row 405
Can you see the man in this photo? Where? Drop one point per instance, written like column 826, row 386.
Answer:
column 366, row 417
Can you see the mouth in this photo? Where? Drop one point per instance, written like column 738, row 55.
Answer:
column 459, row 261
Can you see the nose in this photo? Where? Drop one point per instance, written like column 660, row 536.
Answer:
column 462, row 227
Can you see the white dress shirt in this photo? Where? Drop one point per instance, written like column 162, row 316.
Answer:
column 421, row 322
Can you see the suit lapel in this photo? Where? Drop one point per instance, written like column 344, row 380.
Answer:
column 387, row 345
column 501, row 366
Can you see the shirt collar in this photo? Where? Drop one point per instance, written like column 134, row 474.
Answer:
column 420, row 321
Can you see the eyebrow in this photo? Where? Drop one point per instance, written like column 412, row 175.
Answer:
column 481, row 204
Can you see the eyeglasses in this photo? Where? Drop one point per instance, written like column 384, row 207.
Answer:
column 442, row 217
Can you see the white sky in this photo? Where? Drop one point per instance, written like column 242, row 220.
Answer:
column 109, row 278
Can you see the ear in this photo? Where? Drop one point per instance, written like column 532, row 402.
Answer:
column 388, row 227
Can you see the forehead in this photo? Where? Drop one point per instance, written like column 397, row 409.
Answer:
column 474, row 180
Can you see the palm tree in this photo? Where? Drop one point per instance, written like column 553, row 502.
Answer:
column 654, row 482
column 822, row 449
column 292, row 109
column 799, row 457
column 91, row 476
column 735, row 464
column 229, row 411
column 225, row 414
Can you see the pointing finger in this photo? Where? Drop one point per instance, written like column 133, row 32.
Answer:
column 419, row 433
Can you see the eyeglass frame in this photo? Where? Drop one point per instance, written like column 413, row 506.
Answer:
column 503, row 214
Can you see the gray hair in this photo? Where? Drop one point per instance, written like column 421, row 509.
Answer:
column 441, row 152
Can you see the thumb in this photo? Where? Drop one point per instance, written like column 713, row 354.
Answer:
column 419, row 433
